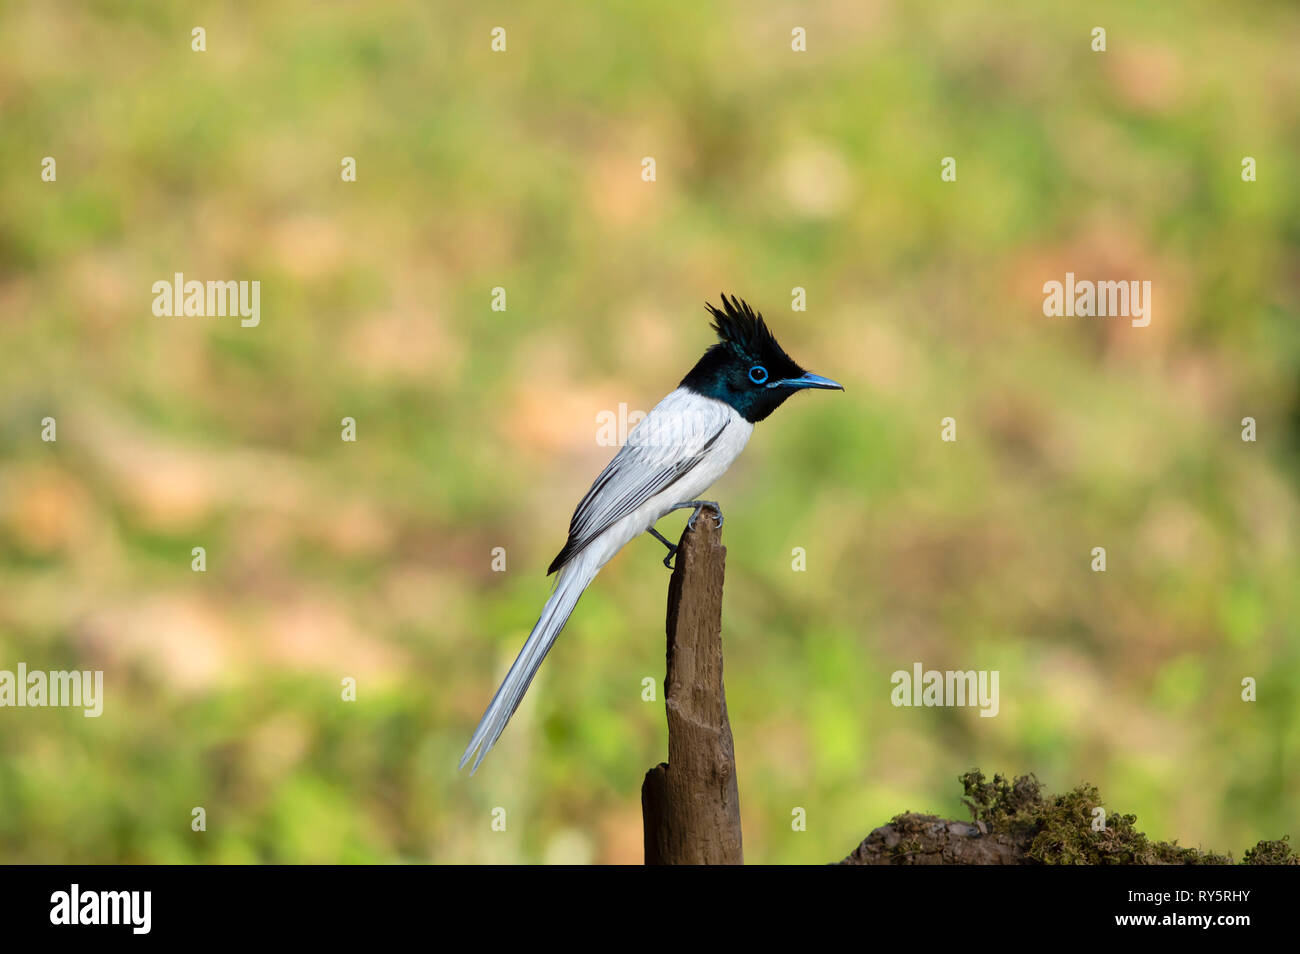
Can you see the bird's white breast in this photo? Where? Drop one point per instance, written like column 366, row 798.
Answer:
column 679, row 425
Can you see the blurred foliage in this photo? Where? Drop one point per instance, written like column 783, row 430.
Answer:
column 476, row 428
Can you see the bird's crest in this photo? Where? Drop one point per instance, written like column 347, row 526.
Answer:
column 744, row 330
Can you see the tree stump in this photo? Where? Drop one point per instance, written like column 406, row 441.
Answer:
column 690, row 804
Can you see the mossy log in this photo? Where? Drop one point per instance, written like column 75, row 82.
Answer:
column 1013, row 823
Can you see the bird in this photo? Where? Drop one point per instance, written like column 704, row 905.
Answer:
column 675, row 453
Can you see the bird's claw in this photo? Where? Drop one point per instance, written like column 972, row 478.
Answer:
column 700, row 505
column 690, row 525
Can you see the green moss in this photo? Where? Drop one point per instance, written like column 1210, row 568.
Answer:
column 1272, row 853
column 1059, row 829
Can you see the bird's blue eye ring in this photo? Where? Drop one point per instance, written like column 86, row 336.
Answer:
column 758, row 374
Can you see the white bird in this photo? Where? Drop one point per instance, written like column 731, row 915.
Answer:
column 686, row 442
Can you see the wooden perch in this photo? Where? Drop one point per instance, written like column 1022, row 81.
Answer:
column 690, row 804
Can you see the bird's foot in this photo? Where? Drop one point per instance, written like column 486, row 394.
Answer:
column 672, row 547
column 700, row 505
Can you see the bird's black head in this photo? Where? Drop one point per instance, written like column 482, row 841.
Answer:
column 747, row 368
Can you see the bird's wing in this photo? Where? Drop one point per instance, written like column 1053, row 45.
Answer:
column 672, row 439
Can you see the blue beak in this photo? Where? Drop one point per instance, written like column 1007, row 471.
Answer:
column 807, row 381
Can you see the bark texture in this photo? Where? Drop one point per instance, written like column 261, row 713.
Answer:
column 690, row 805
column 913, row 839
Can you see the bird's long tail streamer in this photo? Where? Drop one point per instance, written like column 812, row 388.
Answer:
column 573, row 579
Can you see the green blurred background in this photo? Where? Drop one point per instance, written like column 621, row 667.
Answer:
column 477, row 428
